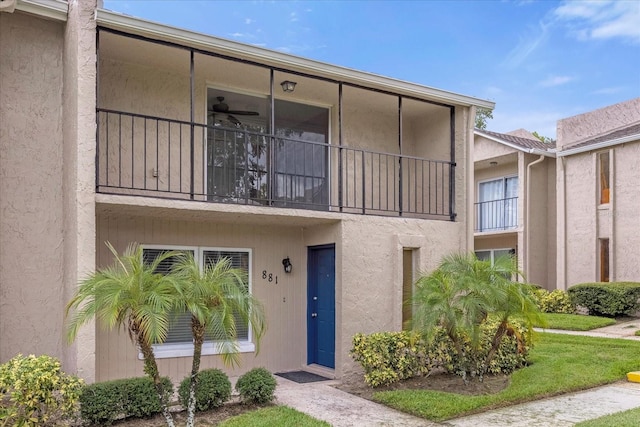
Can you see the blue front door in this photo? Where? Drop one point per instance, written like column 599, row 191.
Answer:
column 321, row 312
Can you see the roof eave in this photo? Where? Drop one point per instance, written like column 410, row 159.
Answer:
column 151, row 29
column 536, row 151
column 599, row 145
column 52, row 9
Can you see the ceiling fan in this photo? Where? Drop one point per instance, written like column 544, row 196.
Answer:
column 223, row 108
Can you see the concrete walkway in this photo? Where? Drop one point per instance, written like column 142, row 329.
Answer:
column 340, row 409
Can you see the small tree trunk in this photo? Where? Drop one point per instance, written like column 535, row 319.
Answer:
column 197, row 330
column 151, row 369
column 495, row 343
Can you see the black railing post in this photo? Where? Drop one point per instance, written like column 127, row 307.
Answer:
column 340, row 179
column 452, row 168
column 400, row 198
column 192, row 120
column 97, row 159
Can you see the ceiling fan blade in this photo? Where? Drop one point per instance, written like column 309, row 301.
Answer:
column 243, row 113
column 233, row 120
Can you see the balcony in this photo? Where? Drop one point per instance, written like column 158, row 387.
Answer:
column 142, row 155
column 496, row 215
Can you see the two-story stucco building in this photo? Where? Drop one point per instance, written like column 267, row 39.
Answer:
column 117, row 129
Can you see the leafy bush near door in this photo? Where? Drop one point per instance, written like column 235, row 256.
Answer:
column 388, row 357
column 607, row 299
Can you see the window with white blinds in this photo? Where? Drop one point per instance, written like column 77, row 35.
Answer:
column 179, row 339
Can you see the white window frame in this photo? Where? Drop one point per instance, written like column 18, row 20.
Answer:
column 504, row 179
column 164, row 351
column 492, row 253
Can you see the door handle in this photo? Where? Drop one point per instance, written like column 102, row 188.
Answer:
column 314, row 314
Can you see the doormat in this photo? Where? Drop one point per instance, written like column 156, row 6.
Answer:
column 302, row 377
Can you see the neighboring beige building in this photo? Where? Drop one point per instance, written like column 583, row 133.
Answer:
column 122, row 130
column 514, row 209
column 569, row 212
column 598, row 182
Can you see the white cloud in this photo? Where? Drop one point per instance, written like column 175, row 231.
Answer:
column 293, row 17
column 249, row 21
column 603, row 19
column 608, row 90
column 543, row 122
column 238, row 35
column 527, row 45
column 555, row 81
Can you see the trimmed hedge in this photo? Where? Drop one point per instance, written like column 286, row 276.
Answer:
column 388, row 357
column 256, row 386
column 607, row 299
column 213, row 389
column 102, row 403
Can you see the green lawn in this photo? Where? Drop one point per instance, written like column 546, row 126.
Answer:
column 630, row 418
column 575, row 322
column 281, row 416
column 559, row 364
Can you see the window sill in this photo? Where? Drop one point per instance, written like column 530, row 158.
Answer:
column 165, row 351
column 604, row 206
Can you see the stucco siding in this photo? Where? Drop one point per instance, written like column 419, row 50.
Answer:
column 485, row 149
column 31, row 212
column 284, row 345
column 626, row 213
column 576, row 129
column 580, row 205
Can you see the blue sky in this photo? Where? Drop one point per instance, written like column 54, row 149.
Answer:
column 539, row 61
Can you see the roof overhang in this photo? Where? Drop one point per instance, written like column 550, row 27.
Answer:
column 599, row 145
column 535, row 151
column 129, row 24
column 52, row 9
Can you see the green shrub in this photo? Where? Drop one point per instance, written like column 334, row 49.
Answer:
column 34, row 391
column 607, row 299
column 213, row 389
column 388, row 357
column 256, row 386
column 102, row 403
column 556, row 301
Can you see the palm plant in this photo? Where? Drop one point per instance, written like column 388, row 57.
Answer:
column 219, row 302
column 130, row 294
column 460, row 294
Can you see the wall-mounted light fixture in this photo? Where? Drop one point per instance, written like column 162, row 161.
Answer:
column 286, row 263
column 493, row 163
column 288, row 86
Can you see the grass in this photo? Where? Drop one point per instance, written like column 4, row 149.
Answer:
column 559, row 364
column 637, row 333
column 575, row 322
column 621, row 419
column 274, row 416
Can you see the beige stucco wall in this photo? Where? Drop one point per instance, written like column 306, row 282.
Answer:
column 585, row 126
column 367, row 275
column 535, row 236
column 78, row 187
column 31, row 201
column 587, row 221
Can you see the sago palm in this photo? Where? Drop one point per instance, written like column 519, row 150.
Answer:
column 219, row 301
column 130, row 294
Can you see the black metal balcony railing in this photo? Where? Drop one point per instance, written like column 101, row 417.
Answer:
column 496, row 215
column 151, row 156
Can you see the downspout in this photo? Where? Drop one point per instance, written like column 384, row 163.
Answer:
column 528, row 210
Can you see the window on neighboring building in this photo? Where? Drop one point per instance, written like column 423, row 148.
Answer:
column 603, row 166
column 408, row 256
column 497, row 207
column 494, row 254
column 604, row 260
column 179, row 339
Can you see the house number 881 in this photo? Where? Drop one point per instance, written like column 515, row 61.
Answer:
column 269, row 277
